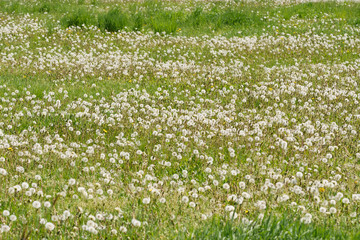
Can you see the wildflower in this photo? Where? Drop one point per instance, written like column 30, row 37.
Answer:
column 49, row 226
column 242, row 185
column 233, row 215
column 226, row 186
column 135, row 222
column 246, row 195
column 332, row 210
column 185, row 199
column 6, row 213
column 146, row 200
column 72, row 181
column 36, row 204
column 3, row 172
column 192, row 204
column 229, row 208
column 4, row 228
column 47, row 204
column 356, row 197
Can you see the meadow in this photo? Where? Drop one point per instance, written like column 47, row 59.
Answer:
column 182, row 119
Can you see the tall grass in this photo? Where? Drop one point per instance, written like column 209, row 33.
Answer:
column 165, row 22
column 113, row 21
column 79, row 18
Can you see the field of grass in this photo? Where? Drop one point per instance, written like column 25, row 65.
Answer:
column 179, row 119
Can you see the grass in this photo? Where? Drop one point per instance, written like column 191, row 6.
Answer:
column 283, row 227
column 80, row 17
column 181, row 117
column 113, row 21
column 151, row 15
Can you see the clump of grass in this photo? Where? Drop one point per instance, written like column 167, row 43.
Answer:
column 78, row 18
column 14, row 7
column 196, row 18
column 165, row 22
column 113, row 21
column 45, row 7
column 233, row 17
column 138, row 21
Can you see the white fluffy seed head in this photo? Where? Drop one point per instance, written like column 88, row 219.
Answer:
column 36, row 204
column 49, row 226
column 135, row 222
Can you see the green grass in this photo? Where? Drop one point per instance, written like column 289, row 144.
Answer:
column 152, row 15
column 79, row 18
column 285, row 227
column 141, row 84
column 320, row 9
column 113, row 21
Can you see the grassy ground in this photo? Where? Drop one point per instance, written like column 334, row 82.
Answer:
column 186, row 18
column 179, row 120
column 270, row 227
